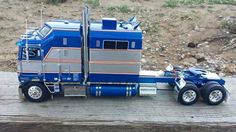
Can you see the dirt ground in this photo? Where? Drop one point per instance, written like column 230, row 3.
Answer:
column 188, row 36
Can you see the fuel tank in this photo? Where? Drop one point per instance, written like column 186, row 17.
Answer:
column 113, row 90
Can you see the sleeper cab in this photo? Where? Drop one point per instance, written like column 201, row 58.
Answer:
column 115, row 52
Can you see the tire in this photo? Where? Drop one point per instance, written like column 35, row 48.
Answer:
column 214, row 94
column 36, row 92
column 189, row 88
column 203, row 89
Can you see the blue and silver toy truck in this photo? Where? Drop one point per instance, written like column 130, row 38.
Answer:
column 102, row 58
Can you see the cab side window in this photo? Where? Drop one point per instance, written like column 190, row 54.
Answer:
column 109, row 44
column 115, row 44
column 34, row 53
column 122, row 45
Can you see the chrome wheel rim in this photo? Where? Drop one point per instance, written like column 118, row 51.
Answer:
column 35, row 92
column 215, row 96
column 189, row 96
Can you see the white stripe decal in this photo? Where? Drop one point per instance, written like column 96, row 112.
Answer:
column 27, row 71
column 126, row 73
column 116, row 62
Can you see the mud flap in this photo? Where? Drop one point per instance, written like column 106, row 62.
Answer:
column 227, row 97
column 21, row 95
column 176, row 92
column 179, row 85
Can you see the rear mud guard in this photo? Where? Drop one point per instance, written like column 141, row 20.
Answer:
column 227, row 98
column 20, row 94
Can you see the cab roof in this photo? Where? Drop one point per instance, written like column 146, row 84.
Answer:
column 64, row 24
column 126, row 27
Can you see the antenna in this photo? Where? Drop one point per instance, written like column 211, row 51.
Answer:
column 41, row 14
column 26, row 40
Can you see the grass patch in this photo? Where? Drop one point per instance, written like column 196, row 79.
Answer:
column 110, row 9
column 124, row 9
column 171, row 3
column 229, row 2
column 177, row 3
column 93, row 3
column 55, row 2
column 193, row 3
column 121, row 8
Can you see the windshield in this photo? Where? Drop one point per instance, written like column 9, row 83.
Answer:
column 44, row 30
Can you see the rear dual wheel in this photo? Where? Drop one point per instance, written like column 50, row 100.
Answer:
column 189, row 94
column 213, row 93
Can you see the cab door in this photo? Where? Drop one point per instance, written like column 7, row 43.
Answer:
column 30, row 63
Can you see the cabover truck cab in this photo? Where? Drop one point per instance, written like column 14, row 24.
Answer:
column 101, row 58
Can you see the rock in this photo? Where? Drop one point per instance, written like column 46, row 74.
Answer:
column 153, row 67
column 219, row 18
column 218, row 68
column 230, row 68
column 221, row 74
column 162, row 48
column 196, row 28
column 204, row 43
column 26, row 8
column 181, row 56
column 229, row 23
column 200, row 57
column 143, row 61
column 162, row 55
column 192, row 45
column 189, row 61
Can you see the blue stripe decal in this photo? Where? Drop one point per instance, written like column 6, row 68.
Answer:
column 128, row 78
column 51, row 77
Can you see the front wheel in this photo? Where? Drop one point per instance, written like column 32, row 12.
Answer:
column 36, row 92
column 189, row 94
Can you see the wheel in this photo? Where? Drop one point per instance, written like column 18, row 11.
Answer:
column 189, row 94
column 36, row 92
column 214, row 94
column 203, row 89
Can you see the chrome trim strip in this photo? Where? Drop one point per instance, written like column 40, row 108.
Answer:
column 67, row 29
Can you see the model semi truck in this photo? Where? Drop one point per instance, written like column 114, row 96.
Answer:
column 102, row 58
